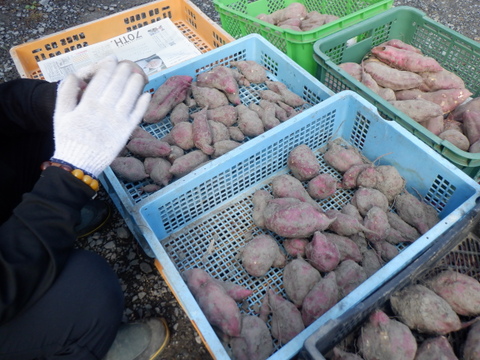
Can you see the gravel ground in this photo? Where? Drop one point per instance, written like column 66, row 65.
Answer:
column 146, row 292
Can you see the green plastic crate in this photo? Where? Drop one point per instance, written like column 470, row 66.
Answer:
column 238, row 18
column 452, row 50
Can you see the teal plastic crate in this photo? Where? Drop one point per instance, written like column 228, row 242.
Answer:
column 238, row 18
column 128, row 195
column 452, row 50
column 206, row 219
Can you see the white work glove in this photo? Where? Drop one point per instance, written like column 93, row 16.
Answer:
column 92, row 127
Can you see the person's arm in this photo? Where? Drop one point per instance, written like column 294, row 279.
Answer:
column 36, row 240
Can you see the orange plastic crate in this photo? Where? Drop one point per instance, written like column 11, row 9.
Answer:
column 204, row 33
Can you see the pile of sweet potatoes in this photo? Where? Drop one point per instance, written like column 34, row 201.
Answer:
column 207, row 119
column 421, row 88
column 296, row 17
column 435, row 318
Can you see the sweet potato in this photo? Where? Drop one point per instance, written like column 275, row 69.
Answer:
column 390, row 182
column 339, row 354
column 471, row 126
column 260, row 199
column 142, row 133
column 436, row 125
column 260, row 254
column 235, row 291
column 286, row 322
column 322, row 253
column 236, row 134
column 202, row 132
column 221, row 78
column 461, row 291
column 409, row 232
column 267, row 115
column 353, row 69
column 456, row 138
column 314, row 20
column 322, row 186
column 219, row 308
column 295, row 247
column 253, row 71
column 254, row 342
column 293, row 10
column 420, row 110
column 172, row 92
column 342, row 157
column 270, row 95
column 350, row 176
column 206, row 97
column 384, row 338
column 292, row 218
column 288, row 96
column 287, row 186
column 349, row 275
column 471, row 349
column 424, row 311
column 469, row 106
column 348, row 249
column 437, row 348
column 224, row 146
column 160, row 171
column 369, row 177
column 303, row 163
column 448, row 99
column 179, row 113
column 182, row 135
column 366, row 198
column 412, row 211
column 371, row 262
column 345, row 224
column 219, row 131
column 321, row 298
column 129, row 168
column 437, row 80
column 349, row 209
column 299, row 277
column 188, row 162
column 389, row 77
column 225, row 114
column 249, row 122
column 150, row 188
column 399, row 44
column 376, row 221
column 145, row 147
column 385, row 250
column 280, row 113
column 406, row 59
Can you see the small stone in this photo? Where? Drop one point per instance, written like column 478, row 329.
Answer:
column 146, row 268
column 109, row 245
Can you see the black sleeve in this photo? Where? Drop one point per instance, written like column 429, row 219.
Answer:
column 27, row 105
column 37, row 239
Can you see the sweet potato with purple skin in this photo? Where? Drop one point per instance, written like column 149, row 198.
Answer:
column 142, row 133
column 235, row 291
column 288, row 96
column 368, row 177
column 292, row 218
column 253, row 71
column 376, row 221
column 188, row 162
column 471, row 349
column 342, row 157
column 175, row 153
column 422, row 310
column 129, row 168
column 268, row 116
column 399, row 44
column 172, row 92
column 182, row 135
column 260, row 199
column 349, row 209
column 405, row 59
column 345, row 224
column 456, row 138
column 371, row 262
column 249, row 121
column 321, row 298
column 295, row 247
column 202, row 132
column 471, row 126
column 254, row 342
column 286, row 322
column 420, row 110
column 160, row 171
column 225, row 114
column 448, row 99
column 391, row 78
column 221, row 78
column 366, row 198
column 384, row 338
column 290, row 111
column 353, row 69
column 206, row 97
column 322, row 253
column 236, row 134
column 350, row 176
column 179, row 113
column 438, row 80
column 322, row 186
column 219, row 131
column 469, row 106
column 260, row 254
column 294, row 10
column 409, row 232
column 437, row 348
column 314, row 20
column 435, row 125
column 219, row 308
column 461, row 291
column 349, row 275
column 224, row 146
column 390, row 182
column 303, row 163
column 348, row 249
column 148, row 147
column 287, row 186
column 412, row 211
column 386, row 250
column 299, row 277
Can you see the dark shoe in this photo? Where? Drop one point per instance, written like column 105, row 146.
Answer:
column 140, row 341
column 93, row 216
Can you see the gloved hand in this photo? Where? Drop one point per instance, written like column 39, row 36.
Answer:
column 91, row 128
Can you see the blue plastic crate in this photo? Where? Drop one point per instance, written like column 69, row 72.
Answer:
column 128, row 196
column 206, row 219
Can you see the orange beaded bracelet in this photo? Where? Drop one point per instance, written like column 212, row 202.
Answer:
column 79, row 174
